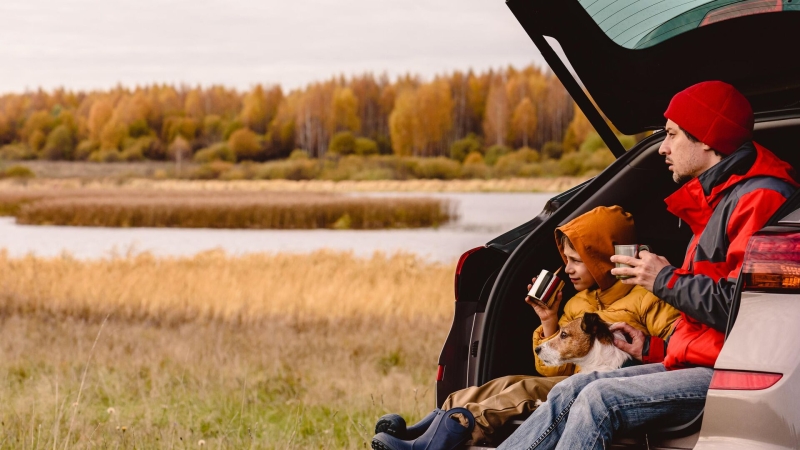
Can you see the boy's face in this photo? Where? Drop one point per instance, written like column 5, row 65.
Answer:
column 576, row 269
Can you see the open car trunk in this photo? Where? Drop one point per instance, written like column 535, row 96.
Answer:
column 638, row 182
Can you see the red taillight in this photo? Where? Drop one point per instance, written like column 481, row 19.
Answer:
column 440, row 373
column 460, row 265
column 743, row 381
column 772, row 262
column 741, row 9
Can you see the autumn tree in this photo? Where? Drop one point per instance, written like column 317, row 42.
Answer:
column 523, row 122
column 99, row 115
column 344, row 114
column 495, row 121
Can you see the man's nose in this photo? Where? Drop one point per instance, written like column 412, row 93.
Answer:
column 663, row 149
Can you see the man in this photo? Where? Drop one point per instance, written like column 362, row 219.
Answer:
column 732, row 187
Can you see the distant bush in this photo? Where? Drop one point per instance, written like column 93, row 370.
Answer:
column 18, row 172
column 211, row 170
column 245, row 144
column 59, row 144
column 109, row 155
column 84, row 149
column 16, row 152
column 474, row 167
column 597, row 161
column 216, row 152
column 627, row 141
column 552, row 150
column 342, row 143
column 592, row 143
column 148, row 147
column 296, row 169
column 517, row 164
column 132, row 153
column 463, row 147
column 365, row 147
column 437, row 168
column 298, row 153
column 494, row 153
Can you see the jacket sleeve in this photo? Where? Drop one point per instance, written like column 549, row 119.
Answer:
column 538, row 338
column 658, row 316
column 700, row 296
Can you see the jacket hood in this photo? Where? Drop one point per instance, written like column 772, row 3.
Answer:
column 696, row 199
column 593, row 235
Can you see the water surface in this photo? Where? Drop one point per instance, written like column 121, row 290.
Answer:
column 482, row 217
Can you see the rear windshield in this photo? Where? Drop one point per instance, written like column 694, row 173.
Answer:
column 644, row 23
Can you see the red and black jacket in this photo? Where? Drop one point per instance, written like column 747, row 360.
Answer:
column 724, row 206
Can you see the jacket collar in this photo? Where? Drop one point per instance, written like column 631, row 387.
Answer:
column 615, row 292
column 695, row 201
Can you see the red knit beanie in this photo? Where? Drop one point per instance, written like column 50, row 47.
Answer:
column 715, row 113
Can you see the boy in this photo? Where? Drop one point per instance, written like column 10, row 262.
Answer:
column 586, row 244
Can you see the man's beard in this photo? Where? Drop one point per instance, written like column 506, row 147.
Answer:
column 681, row 178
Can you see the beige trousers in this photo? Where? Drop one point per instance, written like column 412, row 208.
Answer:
column 500, row 400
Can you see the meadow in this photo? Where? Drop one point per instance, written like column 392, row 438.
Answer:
column 260, row 351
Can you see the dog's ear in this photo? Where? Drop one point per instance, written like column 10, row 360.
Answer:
column 590, row 323
column 594, row 326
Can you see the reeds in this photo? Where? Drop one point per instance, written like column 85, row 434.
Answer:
column 220, row 209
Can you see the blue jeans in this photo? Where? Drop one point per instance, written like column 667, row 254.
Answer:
column 586, row 409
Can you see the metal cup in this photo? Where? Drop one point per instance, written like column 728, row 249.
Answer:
column 628, row 250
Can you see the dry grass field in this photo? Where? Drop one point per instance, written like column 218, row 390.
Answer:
column 260, row 351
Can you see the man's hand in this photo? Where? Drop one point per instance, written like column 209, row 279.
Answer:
column 548, row 316
column 643, row 270
column 637, row 339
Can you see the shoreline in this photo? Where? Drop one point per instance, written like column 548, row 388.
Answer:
column 554, row 185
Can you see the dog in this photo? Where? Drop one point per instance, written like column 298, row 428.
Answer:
column 586, row 342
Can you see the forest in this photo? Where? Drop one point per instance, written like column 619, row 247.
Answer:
column 490, row 114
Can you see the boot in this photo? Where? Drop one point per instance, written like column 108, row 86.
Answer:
column 444, row 433
column 395, row 425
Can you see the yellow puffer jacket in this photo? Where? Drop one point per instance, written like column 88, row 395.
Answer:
column 621, row 302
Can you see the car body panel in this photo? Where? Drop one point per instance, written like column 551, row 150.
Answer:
column 764, row 339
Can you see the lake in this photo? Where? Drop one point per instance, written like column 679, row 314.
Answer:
column 482, row 217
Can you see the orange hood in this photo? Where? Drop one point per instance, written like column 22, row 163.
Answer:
column 594, row 235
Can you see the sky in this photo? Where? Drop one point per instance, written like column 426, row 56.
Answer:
column 97, row 44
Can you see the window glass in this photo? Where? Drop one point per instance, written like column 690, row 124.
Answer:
column 643, row 23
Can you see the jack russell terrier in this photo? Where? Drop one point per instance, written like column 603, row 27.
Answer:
column 586, row 342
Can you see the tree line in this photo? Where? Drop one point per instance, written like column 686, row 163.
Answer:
column 452, row 115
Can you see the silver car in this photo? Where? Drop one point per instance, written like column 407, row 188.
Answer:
column 627, row 58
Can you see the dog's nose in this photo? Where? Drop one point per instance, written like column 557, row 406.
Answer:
column 538, row 349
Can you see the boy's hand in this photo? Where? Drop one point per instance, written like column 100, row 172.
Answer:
column 637, row 339
column 548, row 316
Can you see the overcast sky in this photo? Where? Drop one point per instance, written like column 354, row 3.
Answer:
column 88, row 44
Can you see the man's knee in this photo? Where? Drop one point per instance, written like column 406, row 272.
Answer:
column 572, row 386
column 601, row 394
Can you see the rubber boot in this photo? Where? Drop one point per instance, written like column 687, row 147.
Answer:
column 444, row 433
column 395, row 425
